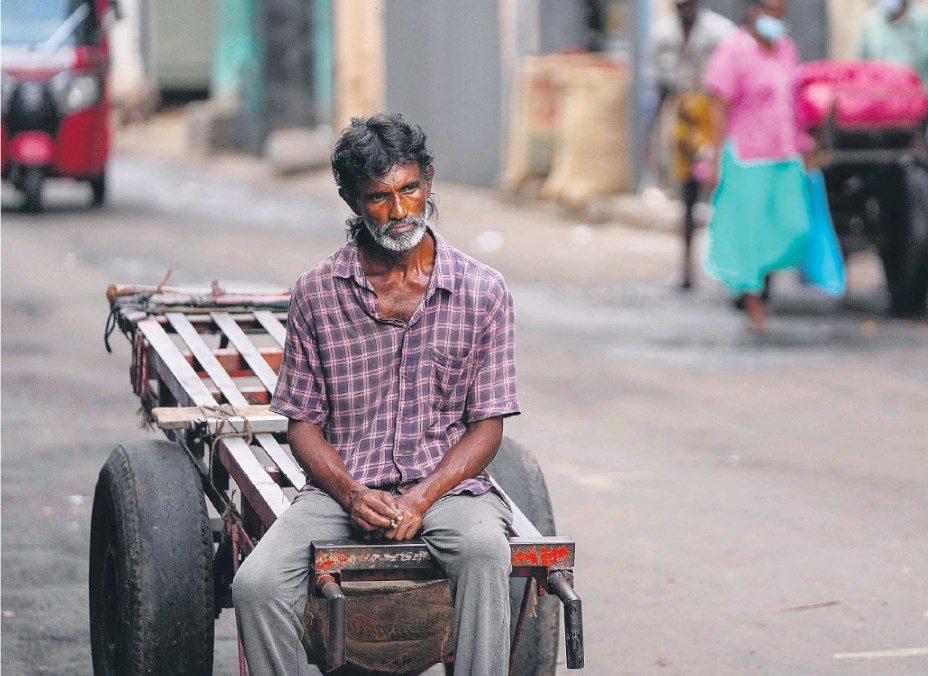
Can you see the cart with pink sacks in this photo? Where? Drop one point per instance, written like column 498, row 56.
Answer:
column 869, row 120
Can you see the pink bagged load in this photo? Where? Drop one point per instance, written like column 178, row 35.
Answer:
column 860, row 95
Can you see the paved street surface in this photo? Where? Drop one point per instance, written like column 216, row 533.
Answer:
column 739, row 504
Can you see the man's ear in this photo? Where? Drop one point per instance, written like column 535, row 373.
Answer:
column 429, row 174
column 352, row 204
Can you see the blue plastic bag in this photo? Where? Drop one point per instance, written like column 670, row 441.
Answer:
column 823, row 264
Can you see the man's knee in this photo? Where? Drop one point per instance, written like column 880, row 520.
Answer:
column 487, row 551
column 253, row 586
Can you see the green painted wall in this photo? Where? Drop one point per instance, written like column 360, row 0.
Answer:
column 323, row 71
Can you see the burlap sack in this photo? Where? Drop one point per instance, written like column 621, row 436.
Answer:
column 592, row 153
column 534, row 114
column 393, row 627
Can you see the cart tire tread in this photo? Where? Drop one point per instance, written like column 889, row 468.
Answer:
column 519, row 474
column 151, row 590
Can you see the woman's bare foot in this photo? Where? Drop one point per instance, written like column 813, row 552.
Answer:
column 757, row 312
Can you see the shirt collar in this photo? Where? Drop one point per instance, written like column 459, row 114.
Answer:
column 445, row 272
column 346, row 264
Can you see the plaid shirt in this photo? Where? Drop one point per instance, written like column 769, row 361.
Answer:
column 393, row 397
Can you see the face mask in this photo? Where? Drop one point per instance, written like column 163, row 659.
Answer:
column 891, row 7
column 770, row 29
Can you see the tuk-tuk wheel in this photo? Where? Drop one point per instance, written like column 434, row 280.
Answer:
column 31, row 186
column 518, row 472
column 151, row 551
column 98, row 190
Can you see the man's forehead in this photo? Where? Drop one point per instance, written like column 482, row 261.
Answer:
column 399, row 175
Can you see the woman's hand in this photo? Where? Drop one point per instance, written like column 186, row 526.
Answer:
column 706, row 169
column 809, row 148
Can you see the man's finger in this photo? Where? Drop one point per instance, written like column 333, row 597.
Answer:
column 362, row 524
column 389, row 501
column 408, row 530
column 380, row 504
column 374, row 517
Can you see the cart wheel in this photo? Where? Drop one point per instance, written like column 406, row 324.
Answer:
column 151, row 587
column 905, row 259
column 31, row 185
column 517, row 471
column 98, row 189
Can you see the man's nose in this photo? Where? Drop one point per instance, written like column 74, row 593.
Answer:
column 398, row 210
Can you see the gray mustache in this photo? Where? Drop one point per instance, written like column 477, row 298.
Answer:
column 408, row 220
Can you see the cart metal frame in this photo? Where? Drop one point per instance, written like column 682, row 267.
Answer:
column 212, row 401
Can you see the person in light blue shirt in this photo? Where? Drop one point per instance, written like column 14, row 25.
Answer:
column 896, row 31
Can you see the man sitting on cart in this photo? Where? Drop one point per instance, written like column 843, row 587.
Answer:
column 397, row 372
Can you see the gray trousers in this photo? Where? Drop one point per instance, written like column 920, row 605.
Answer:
column 465, row 534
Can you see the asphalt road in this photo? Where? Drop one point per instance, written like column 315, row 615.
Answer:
column 740, row 504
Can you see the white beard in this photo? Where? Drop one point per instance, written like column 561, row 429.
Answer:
column 399, row 243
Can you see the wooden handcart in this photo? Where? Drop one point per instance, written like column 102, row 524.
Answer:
column 204, row 365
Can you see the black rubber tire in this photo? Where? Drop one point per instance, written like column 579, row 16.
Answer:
column 905, row 255
column 520, row 476
column 151, row 550
column 31, row 186
column 98, row 190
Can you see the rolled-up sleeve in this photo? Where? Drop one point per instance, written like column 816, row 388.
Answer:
column 300, row 392
column 493, row 391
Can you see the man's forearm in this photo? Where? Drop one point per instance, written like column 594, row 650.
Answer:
column 321, row 461
column 465, row 460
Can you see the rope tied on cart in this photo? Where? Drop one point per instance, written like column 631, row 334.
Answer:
column 112, row 323
column 224, row 413
column 235, row 527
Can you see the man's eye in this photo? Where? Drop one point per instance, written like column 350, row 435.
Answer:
column 411, row 188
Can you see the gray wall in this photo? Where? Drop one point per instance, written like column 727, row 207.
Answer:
column 808, row 21
column 444, row 73
column 562, row 25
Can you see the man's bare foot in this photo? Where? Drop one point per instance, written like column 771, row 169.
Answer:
column 757, row 313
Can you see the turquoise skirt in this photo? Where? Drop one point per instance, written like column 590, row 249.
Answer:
column 760, row 221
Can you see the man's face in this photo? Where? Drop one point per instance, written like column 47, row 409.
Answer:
column 393, row 207
column 894, row 9
column 687, row 11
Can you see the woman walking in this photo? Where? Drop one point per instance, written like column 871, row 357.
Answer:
column 761, row 218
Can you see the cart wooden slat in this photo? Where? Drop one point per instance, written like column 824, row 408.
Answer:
column 272, row 325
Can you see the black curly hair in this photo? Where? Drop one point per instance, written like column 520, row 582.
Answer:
column 368, row 148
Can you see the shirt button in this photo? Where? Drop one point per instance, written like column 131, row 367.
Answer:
column 405, row 374
column 402, row 418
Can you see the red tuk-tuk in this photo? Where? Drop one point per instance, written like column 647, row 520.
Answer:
column 55, row 110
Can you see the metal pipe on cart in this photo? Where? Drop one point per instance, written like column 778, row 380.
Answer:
column 338, row 621
column 573, row 617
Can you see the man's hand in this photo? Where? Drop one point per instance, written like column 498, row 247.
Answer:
column 373, row 510
column 464, row 460
column 411, row 509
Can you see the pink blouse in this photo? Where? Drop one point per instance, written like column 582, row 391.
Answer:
column 760, row 88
